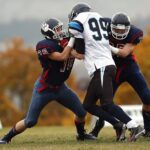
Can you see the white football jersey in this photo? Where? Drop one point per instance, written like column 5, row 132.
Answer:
column 97, row 48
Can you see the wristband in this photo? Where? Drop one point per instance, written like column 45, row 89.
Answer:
column 71, row 42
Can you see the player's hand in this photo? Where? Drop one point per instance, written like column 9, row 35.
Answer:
column 63, row 43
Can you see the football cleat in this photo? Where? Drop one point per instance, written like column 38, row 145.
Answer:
column 120, row 129
column 4, row 140
column 97, row 128
column 135, row 133
column 85, row 136
column 146, row 133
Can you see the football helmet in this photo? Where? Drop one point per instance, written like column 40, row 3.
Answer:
column 78, row 8
column 53, row 29
column 120, row 26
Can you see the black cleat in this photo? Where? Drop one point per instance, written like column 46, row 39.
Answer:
column 4, row 140
column 135, row 133
column 146, row 133
column 85, row 137
column 120, row 131
column 98, row 126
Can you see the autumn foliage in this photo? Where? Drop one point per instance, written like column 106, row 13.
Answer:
column 19, row 68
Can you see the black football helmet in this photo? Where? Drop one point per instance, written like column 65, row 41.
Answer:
column 120, row 26
column 53, row 29
column 78, row 8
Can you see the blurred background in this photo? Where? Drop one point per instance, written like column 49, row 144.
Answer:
column 19, row 67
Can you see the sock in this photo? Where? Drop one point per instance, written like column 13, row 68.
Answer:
column 80, row 127
column 146, row 119
column 10, row 134
column 131, row 124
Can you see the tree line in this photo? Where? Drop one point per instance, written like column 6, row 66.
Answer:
column 19, row 68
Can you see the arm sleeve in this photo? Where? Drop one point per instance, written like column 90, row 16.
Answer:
column 80, row 45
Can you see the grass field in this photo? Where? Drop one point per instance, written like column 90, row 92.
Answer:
column 63, row 138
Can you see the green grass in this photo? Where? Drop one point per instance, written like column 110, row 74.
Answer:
column 63, row 138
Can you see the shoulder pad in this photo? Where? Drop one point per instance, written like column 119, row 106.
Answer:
column 136, row 35
column 82, row 17
column 45, row 47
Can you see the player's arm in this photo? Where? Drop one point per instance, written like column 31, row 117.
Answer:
column 79, row 48
column 123, row 52
column 64, row 54
column 128, row 48
column 76, row 30
column 75, row 54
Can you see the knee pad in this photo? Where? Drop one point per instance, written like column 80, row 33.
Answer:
column 30, row 123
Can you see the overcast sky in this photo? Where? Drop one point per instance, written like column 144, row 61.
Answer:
column 40, row 9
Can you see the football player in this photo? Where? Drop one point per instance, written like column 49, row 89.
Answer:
column 122, row 34
column 92, row 45
column 54, row 55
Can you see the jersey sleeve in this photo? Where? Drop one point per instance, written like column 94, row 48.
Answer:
column 76, row 29
column 76, row 25
column 137, row 35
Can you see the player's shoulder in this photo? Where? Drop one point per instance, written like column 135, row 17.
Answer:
column 135, row 34
column 135, row 30
column 46, row 43
column 82, row 17
column 107, row 19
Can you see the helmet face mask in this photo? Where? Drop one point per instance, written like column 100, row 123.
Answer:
column 119, row 32
column 120, row 26
column 52, row 29
column 60, row 33
column 78, row 8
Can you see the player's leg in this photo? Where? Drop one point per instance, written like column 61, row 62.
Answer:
column 100, row 122
column 69, row 99
column 107, row 95
column 94, row 92
column 39, row 100
column 115, row 110
column 92, row 95
column 137, row 81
